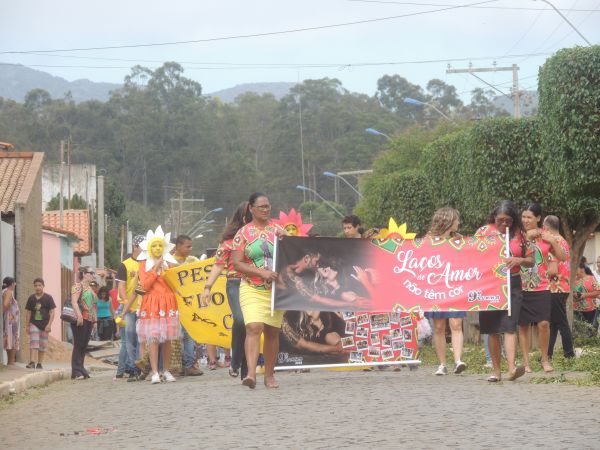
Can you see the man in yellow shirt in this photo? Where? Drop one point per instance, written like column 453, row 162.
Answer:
column 130, row 299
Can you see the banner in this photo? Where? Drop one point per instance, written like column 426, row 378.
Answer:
column 331, row 274
column 206, row 324
column 324, row 338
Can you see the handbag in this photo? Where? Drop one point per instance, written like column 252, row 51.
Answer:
column 68, row 314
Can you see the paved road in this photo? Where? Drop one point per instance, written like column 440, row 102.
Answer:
column 380, row 409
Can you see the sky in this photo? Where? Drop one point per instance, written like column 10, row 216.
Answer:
column 484, row 34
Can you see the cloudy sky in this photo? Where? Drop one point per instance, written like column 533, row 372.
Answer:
column 415, row 39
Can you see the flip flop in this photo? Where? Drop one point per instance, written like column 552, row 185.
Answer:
column 519, row 372
column 493, row 379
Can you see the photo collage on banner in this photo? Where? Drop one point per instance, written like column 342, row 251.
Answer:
column 328, row 338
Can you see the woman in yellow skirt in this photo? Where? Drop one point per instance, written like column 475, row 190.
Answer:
column 253, row 258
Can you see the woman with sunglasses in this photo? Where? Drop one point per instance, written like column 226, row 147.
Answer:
column 495, row 323
column 253, row 258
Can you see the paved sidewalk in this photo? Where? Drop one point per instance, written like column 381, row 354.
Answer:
column 320, row 409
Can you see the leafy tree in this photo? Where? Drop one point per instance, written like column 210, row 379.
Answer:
column 77, row 202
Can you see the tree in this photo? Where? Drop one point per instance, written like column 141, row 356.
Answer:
column 77, row 202
column 569, row 112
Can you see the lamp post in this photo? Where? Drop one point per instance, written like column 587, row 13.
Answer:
column 203, row 217
column 568, row 21
column 335, row 175
column 375, row 132
column 412, row 101
column 201, row 235
column 327, row 202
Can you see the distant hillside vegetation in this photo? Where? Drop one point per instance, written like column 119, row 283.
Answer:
column 16, row 80
column 279, row 90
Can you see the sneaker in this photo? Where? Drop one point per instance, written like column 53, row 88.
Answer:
column 212, row 365
column 228, row 361
column 488, row 365
column 234, row 372
column 119, row 375
column 155, row 378
column 133, row 378
column 168, row 377
column 459, row 368
column 31, row 365
column 38, row 366
column 441, row 370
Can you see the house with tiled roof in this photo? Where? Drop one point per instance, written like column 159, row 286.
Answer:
column 21, row 223
column 75, row 221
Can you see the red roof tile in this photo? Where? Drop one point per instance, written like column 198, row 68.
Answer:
column 17, row 175
column 75, row 221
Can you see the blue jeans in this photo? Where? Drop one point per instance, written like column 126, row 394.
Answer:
column 238, row 331
column 122, row 364
column 189, row 349
column 131, row 340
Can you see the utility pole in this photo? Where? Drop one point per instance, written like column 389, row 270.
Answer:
column 101, row 221
column 69, row 173
column 180, row 214
column 61, row 205
column 515, row 93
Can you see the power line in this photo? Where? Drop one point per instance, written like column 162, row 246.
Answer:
column 253, row 35
column 230, row 66
column 509, row 8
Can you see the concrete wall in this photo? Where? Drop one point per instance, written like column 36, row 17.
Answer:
column 592, row 249
column 51, row 249
column 28, row 242
column 83, row 182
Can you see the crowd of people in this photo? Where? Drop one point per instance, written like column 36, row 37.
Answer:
column 142, row 310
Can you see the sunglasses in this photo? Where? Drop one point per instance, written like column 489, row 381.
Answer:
column 262, row 207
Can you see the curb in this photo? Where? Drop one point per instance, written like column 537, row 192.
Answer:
column 30, row 380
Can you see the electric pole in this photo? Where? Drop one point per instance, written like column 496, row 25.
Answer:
column 61, row 203
column 101, row 221
column 515, row 93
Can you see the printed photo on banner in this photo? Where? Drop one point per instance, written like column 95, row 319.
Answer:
column 324, row 274
column 362, row 332
column 390, row 274
column 380, row 322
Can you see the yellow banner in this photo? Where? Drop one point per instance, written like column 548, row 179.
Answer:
column 206, row 324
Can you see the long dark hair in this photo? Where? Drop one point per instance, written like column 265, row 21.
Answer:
column 251, row 202
column 516, row 229
column 238, row 220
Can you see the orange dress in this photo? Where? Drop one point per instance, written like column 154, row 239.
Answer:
column 158, row 315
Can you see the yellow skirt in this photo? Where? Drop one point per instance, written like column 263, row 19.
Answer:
column 256, row 306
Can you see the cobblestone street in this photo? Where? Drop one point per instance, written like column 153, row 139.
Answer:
column 321, row 409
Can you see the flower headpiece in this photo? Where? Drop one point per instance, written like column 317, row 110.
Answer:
column 292, row 223
column 395, row 231
column 146, row 245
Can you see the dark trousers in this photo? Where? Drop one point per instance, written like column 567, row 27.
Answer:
column 105, row 328
column 559, row 322
column 238, row 330
column 81, row 337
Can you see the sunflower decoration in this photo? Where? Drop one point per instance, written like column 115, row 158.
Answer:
column 292, row 223
column 393, row 231
column 156, row 245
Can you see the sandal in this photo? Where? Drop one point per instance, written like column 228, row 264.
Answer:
column 518, row 372
column 271, row 383
column 233, row 372
column 547, row 367
column 493, row 379
column 249, row 382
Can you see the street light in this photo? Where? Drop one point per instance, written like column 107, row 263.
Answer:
column 412, row 101
column 335, row 175
column 568, row 21
column 192, row 229
column 327, row 202
column 375, row 132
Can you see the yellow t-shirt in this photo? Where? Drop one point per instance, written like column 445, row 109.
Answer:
column 128, row 274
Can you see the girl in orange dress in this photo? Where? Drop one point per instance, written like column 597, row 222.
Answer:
column 158, row 321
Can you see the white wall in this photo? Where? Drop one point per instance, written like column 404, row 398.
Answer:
column 82, row 176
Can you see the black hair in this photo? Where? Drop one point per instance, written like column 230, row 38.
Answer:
column 39, row 280
column 535, row 208
column 509, row 208
column 254, row 197
column 8, row 281
column 353, row 220
column 182, row 238
column 103, row 290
